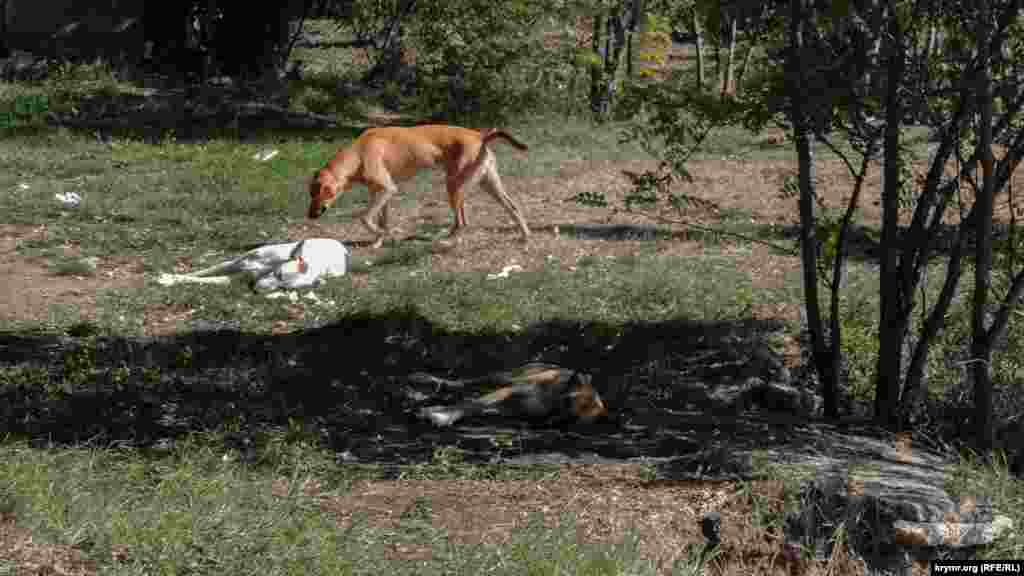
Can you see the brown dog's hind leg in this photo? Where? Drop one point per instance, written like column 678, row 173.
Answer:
column 460, row 179
column 491, row 182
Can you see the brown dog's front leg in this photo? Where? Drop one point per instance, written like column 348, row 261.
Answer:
column 382, row 222
column 377, row 212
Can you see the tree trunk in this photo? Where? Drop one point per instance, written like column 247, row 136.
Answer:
column 805, row 163
column 4, row 49
column 618, row 22
column 604, row 79
column 981, row 348
column 892, row 326
column 830, row 377
column 595, row 70
column 742, row 72
column 390, row 47
column 698, row 32
column 727, row 74
column 718, row 49
column 932, row 204
column 638, row 26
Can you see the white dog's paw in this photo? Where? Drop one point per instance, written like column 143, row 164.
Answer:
column 441, row 415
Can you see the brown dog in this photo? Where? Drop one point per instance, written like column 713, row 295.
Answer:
column 382, row 157
column 535, row 392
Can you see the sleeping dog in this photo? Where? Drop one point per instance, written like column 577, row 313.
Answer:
column 275, row 266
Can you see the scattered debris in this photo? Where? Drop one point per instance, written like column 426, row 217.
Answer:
column 69, row 199
column 505, row 272
column 265, row 155
column 289, row 295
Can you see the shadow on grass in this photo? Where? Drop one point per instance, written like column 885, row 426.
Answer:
column 864, row 244
column 198, row 113
column 345, row 380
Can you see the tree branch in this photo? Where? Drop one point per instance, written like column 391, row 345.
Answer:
column 1002, row 315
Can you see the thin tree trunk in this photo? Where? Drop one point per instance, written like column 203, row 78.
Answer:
column 892, row 325
column 742, row 72
column 389, row 45
column 603, row 77
column 613, row 56
column 4, row 48
column 805, row 163
column 727, row 74
column 718, row 50
column 830, row 384
column 637, row 27
column 698, row 32
column 981, row 348
column 595, row 71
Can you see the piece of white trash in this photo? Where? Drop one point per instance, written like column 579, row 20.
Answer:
column 505, row 272
column 69, row 199
column 264, row 155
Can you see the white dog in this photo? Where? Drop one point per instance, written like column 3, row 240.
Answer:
column 274, row 266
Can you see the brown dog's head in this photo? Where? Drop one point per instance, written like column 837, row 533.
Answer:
column 323, row 189
column 587, row 403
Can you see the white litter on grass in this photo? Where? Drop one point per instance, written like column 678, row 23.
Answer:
column 23, row 186
column 264, row 155
column 275, row 266
column 505, row 272
column 289, row 295
column 172, row 279
column 69, row 199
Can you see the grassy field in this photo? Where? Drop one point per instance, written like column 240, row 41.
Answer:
column 211, row 430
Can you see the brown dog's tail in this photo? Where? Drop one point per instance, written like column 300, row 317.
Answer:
column 489, row 134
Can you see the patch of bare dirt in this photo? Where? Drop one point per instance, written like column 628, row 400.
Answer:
column 29, row 288
column 18, row 550
column 607, row 501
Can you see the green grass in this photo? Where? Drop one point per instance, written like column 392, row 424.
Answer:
column 188, row 509
column 195, row 510
column 641, row 288
column 175, row 199
column 973, row 476
column 162, row 200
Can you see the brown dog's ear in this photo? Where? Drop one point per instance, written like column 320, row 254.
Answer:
column 315, row 185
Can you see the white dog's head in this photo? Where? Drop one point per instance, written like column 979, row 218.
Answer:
column 310, row 260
